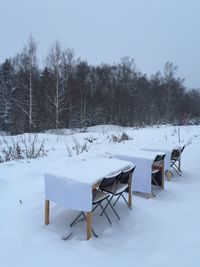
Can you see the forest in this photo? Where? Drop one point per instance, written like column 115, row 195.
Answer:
column 67, row 92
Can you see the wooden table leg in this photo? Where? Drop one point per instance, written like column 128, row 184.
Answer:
column 130, row 191
column 168, row 175
column 47, row 205
column 89, row 225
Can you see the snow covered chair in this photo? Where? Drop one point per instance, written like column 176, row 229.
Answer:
column 117, row 188
column 124, row 184
column 176, row 160
column 98, row 197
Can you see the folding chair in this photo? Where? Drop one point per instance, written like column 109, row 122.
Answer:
column 176, row 160
column 123, row 185
column 156, row 172
column 110, row 185
column 98, row 197
column 118, row 188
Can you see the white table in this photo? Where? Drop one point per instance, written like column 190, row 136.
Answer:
column 71, row 186
column 143, row 160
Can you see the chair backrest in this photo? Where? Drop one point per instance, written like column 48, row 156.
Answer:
column 158, row 161
column 125, row 175
column 159, row 158
column 183, row 148
column 176, row 153
column 110, row 181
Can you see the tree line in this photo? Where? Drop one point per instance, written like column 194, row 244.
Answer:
column 68, row 92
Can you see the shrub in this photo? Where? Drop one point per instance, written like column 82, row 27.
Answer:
column 78, row 148
column 120, row 138
column 21, row 148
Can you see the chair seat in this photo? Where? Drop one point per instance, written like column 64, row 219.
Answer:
column 120, row 188
column 175, row 158
column 99, row 196
column 155, row 170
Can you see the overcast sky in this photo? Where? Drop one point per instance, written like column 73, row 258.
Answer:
column 150, row 31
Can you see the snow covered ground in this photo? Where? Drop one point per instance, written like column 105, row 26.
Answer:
column 161, row 231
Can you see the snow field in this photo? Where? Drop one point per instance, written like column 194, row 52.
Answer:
column 163, row 231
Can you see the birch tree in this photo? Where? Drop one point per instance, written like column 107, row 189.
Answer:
column 27, row 74
column 59, row 64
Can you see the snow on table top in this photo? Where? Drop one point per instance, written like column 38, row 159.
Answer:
column 89, row 171
column 161, row 147
column 142, row 154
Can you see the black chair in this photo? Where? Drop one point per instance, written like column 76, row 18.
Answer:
column 98, row 197
column 117, row 188
column 109, row 185
column 124, row 184
column 176, row 160
column 156, row 173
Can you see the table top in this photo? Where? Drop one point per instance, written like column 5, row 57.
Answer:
column 88, row 171
column 161, row 147
column 140, row 154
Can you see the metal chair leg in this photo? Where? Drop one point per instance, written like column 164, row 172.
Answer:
column 114, row 210
column 175, row 167
column 75, row 220
column 109, row 203
column 176, row 170
column 154, row 180
column 116, row 200
column 124, row 200
column 105, row 213
column 106, row 205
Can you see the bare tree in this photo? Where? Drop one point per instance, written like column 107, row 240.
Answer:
column 26, row 68
column 59, row 63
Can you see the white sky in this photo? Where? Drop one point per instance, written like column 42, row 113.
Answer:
column 150, row 31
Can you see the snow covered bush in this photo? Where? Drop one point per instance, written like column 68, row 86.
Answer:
column 120, row 138
column 90, row 139
column 21, row 147
column 78, row 148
